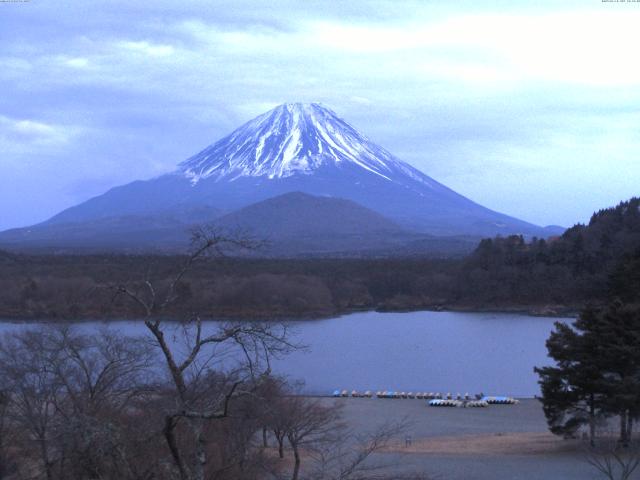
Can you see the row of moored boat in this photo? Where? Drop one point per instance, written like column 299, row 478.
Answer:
column 435, row 399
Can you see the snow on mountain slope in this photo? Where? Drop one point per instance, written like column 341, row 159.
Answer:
column 294, row 138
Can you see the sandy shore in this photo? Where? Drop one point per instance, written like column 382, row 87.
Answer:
column 501, row 441
column 531, row 443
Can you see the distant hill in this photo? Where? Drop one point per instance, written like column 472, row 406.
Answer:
column 126, row 233
column 163, row 232
column 297, row 215
column 291, row 225
column 296, row 223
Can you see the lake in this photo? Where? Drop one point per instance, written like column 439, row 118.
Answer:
column 442, row 352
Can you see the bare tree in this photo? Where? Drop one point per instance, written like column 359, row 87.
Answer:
column 310, row 424
column 32, row 392
column 104, row 369
column 353, row 456
column 276, row 416
column 101, row 376
column 269, row 409
column 613, row 459
column 7, row 436
column 69, row 394
column 187, row 366
column 318, row 437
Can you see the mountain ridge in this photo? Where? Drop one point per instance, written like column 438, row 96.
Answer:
column 291, row 225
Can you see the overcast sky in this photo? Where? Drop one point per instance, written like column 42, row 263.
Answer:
column 530, row 110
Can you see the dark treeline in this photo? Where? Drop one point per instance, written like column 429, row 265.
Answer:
column 542, row 276
column 571, row 270
column 70, row 287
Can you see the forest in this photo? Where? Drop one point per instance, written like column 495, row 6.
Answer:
column 556, row 276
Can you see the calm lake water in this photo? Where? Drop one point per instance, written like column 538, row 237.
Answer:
column 443, row 352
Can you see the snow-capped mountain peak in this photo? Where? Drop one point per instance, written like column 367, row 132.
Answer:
column 291, row 139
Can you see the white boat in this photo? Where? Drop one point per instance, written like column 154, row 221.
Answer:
column 437, row 402
column 493, row 400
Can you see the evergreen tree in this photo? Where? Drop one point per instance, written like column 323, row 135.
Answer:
column 572, row 391
column 619, row 337
column 597, row 372
column 624, row 282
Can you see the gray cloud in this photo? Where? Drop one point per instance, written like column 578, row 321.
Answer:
column 542, row 127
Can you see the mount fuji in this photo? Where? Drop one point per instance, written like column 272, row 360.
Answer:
column 295, row 147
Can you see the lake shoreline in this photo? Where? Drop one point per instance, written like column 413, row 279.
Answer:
column 554, row 311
